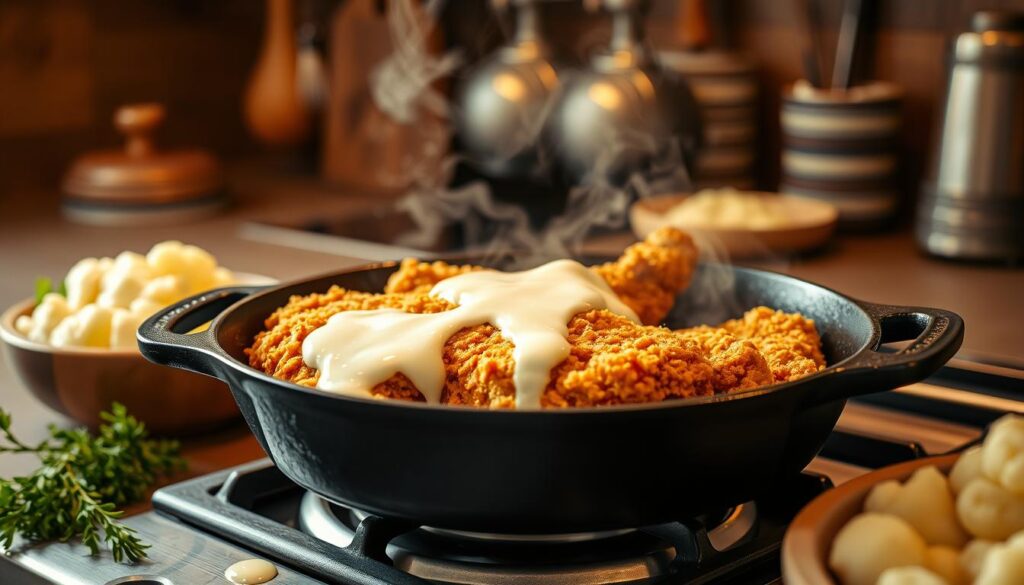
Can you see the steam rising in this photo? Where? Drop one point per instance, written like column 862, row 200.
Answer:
column 402, row 84
column 402, row 87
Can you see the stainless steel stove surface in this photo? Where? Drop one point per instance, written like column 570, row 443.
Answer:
column 202, row 526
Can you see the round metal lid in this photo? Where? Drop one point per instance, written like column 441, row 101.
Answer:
column 996, row 38
column 997, row 20
column 141, row 173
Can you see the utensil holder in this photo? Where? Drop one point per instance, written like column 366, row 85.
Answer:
column 844, row 147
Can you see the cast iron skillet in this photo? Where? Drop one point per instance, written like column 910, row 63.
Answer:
column 558, row 470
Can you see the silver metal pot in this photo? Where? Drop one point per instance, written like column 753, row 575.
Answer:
column 615, row 117
column 504, row 101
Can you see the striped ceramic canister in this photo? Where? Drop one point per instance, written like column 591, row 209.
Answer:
column 725, row 87
column 844, row 147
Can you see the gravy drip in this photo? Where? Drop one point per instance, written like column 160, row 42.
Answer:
column 251, row 572
column 356, row 350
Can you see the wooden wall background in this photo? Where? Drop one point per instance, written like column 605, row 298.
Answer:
column 65, row 65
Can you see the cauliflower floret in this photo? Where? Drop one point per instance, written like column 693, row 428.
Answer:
column 973, row 556
column 83, row 281
column 107, row 298
column 123, row 325
column 166, row 258
column 966, row 468
column 910, row 576
column 120, row 289
column 165, row 289
column 193, row 264
column 925, row 502
column 89, row 327
column 989, row 511
column 870, row 543
column 46, row 316
column 201, row 265
column 944, row 561
column 23, row 324
column 223, row 277
column 1002, row 454
column 1003, row 565
column 143, row 308
column 131, row 263
column 124, row 281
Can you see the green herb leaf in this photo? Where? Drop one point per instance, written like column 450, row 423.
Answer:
column 44, row 286
column 82, row 482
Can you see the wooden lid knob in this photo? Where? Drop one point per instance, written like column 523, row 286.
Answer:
column 138, row 123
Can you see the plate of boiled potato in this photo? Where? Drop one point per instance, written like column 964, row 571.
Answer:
column 952, row 520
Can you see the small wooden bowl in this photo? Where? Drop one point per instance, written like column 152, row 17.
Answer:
column 81, row 382
column 806, row 233
column 809, row 539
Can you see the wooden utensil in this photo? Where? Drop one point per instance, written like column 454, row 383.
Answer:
column 275, row 112
column 693, row 30
column 809, row 14
column 846, row 47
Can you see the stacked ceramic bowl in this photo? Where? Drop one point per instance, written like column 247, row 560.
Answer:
column 726, row 89
column 844, row 147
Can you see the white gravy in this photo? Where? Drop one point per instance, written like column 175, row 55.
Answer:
column 356, row 350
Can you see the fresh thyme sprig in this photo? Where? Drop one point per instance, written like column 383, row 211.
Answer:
column 82, row 482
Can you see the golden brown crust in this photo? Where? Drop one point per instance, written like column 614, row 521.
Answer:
column 649, row 274
column 615, row 361
column 414, row 276
column 612, row 359
column 278, row 349
column 737, row 363
column 647, row 277
column 789, row 341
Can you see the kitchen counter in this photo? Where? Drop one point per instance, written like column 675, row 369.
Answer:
column 882, row 268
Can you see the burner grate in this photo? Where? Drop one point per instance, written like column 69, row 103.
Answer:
column 257, row 507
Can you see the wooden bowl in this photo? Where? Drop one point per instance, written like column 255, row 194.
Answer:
column 81, row 382
column 812, row 227
column 809, row 539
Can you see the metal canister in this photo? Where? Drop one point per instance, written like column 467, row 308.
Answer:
column 972, row 201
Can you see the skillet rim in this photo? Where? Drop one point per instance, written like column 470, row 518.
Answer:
column 226, row 359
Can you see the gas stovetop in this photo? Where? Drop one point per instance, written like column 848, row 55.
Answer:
column 201, row 526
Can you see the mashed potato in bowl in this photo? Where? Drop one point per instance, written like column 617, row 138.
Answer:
column 107, row 298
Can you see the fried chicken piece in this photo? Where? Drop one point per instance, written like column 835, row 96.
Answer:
column 414, row 276
column 788, row 341
column 615, row 361
column 737, row 363
column 649, row 274
column 612, row 359
column 278, row 349
column 647, row 277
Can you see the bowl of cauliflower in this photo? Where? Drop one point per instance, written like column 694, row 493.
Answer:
column 950, row 520
column 75, row 349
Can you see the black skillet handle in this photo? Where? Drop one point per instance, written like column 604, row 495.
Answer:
column 164, row 337
column 935, row 336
